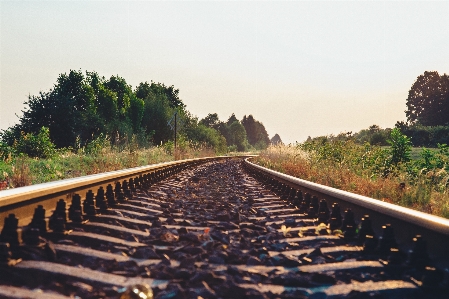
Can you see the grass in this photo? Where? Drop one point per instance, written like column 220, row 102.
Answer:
column 415, row 154
column 359, row 169
column 23, row 170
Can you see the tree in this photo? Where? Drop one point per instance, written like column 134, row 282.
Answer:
column 124, row 93
column 55, row 111
column 156, row 114
column 107, row 104
column 237, row 136
column 277, row 139
column 82, row 108
column 143, row 91
column 231, row 119
column 170, row 93
column 135, row 112
column 210, row 137
column 173, row 97
column 374, row 129
column 69, row 111
column 428, row 100
column 211, row 121
column 256, row 132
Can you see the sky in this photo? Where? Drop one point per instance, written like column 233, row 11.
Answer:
column 302, row 68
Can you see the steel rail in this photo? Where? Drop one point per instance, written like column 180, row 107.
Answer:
column 23, row 200
column 407, row 223
column 224, row 228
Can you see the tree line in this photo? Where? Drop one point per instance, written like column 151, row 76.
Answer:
column 427, row 115
column 83, row 108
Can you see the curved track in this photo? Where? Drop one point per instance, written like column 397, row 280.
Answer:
column 217, row 228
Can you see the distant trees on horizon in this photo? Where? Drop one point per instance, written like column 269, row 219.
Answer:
column 427, row 116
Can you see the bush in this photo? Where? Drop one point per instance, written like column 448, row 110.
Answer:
column 97, row 145
column 401, row 147
column 5, row 151
column 35, row 146
column 209, row 137
column 425, row 135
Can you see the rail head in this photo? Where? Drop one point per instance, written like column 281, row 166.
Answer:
column 427, row 221
column 17, row 195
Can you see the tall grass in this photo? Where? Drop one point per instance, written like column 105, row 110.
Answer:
column 364, row 170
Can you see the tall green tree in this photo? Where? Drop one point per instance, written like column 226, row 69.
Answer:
column 232, row 119
column 124, row 93
column 157, row 113
column 211, row 121
column 256, row 132
column 428, row 100
column 65, row 110
column 135, row 112
column 237, row 136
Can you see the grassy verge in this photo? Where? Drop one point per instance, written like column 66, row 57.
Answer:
column 361, row 170
column 23, row 170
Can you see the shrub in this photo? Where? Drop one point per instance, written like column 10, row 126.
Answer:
column 35, row 146
column 401, row 147
column 97, row 145
column 5, row 151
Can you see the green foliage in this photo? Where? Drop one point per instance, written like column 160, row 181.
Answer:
column 429, row 136
column 107, row 106
column 5, row 170
column 97, row 145
column 135, row 112
column 83, row 109
column 256, row 133
column 123, row 92
column 237, row 136
column 401, row 147
column 374, row 135
column 170, row 94
column 39, row 146
column 232, row 119
column 366, row 160
column 5, row 151
column 211, row 121
column 157, row 113
column 428, row 100
column 201, row 134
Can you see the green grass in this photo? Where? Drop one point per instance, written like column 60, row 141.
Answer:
column 23, row 170
column 361, row 170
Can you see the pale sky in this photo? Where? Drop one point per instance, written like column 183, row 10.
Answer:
column 300, row 67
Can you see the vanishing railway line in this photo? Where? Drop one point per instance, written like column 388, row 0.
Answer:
column 214, row 228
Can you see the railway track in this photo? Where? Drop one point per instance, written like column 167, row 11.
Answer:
column 214, row 228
